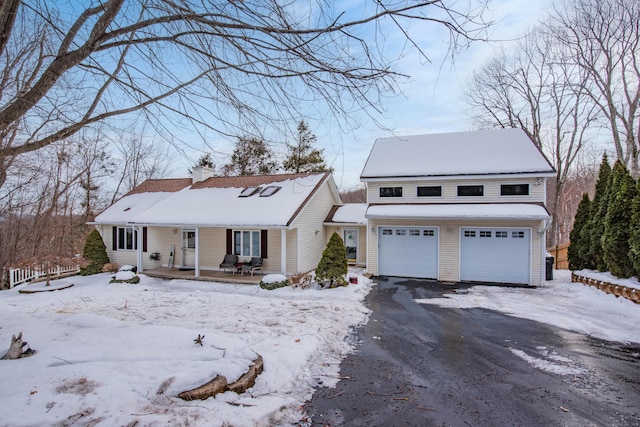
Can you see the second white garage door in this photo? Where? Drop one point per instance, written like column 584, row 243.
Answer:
column 495, row 255
column 408, row 252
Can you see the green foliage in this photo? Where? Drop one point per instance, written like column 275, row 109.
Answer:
column 615, row 240
column 206, row 161
column 594, row 230
column 578, row 243
column 274, row 285
column 332, row 268
column 95, row 252
column 302, row 156
column 634, row 232
column 251, row 156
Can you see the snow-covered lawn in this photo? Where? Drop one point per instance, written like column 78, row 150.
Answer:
column 120, row 353
column 571, row 306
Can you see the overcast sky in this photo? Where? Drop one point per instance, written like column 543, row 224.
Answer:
column 431, row 102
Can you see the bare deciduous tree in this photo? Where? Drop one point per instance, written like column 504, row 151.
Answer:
column 232, row 66
column 604, row 38
column 542, row 91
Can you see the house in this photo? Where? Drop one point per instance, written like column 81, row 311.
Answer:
column 467, row 206
column 192, row 223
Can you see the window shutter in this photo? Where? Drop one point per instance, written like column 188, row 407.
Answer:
column 144, row 239
column 263, row 243
column 114, row 238
column 229, row 241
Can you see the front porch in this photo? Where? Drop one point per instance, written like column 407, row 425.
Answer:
column 205, row 275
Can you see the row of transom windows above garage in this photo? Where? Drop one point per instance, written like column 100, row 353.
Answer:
column 434, row 191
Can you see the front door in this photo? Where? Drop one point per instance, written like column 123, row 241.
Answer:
column 350, row 238
column 188, row 248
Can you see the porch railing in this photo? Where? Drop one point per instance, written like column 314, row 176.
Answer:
column 18, row 276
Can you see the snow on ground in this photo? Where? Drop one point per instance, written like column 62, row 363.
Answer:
column 119, row 353
column 571, row 306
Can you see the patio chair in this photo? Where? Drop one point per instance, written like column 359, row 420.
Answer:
column 229, row 261
column 254, row 265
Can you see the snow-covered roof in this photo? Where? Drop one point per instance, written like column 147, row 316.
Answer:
column 350, row 213
column 217, row 202
column 503, row 211
column 486, row 152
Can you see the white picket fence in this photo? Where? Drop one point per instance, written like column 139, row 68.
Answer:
column 18, row 276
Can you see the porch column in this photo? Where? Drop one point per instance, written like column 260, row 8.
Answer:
column 139, row 266
column 197, row 270
column 283, row 251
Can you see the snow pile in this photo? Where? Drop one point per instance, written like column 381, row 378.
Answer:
column 119, row 354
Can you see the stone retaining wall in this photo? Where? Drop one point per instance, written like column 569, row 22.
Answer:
column 631, row 294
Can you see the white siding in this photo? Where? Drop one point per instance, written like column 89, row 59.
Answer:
column 312, row 235
column 449, row 191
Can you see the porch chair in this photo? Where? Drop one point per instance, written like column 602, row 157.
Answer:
column 254, row 265
column 229, row 261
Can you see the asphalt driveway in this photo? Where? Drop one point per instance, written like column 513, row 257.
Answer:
column 421, row 365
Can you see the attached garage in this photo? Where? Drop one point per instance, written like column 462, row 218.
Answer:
column 499, row 255
column 408, row 251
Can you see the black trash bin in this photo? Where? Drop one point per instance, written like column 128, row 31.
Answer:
column 549, row 275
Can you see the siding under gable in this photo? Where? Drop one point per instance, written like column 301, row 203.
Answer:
column 311, row 218
column 537, row 192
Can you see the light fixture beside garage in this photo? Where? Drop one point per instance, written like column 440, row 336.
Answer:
column 538, row 181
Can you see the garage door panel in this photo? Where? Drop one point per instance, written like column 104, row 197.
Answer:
column 495, row 255
column 408, row 251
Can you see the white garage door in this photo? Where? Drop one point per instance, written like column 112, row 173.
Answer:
column 408, row 252
column 495, row 255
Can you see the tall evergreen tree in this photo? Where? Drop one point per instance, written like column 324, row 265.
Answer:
column 615, row 240
column 592, row 233
column 251, row 156
column 634, row 232
column 577, row 237
column 302, row 156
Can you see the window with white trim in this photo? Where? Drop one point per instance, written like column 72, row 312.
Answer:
column 517, row 234
column 469, row 233
column 470, row 190
column 413, row 232
column 428, row 233
column 246, row 243
column 429, row 191
column 390, row 191
column 484, row 233
column 502, row 234
column 127, row 238
column 387, row 232
column 401, row 232
column 189, row 239
column 514, row 190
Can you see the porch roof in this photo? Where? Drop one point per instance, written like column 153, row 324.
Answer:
column 489, row 211
column 347, row 214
